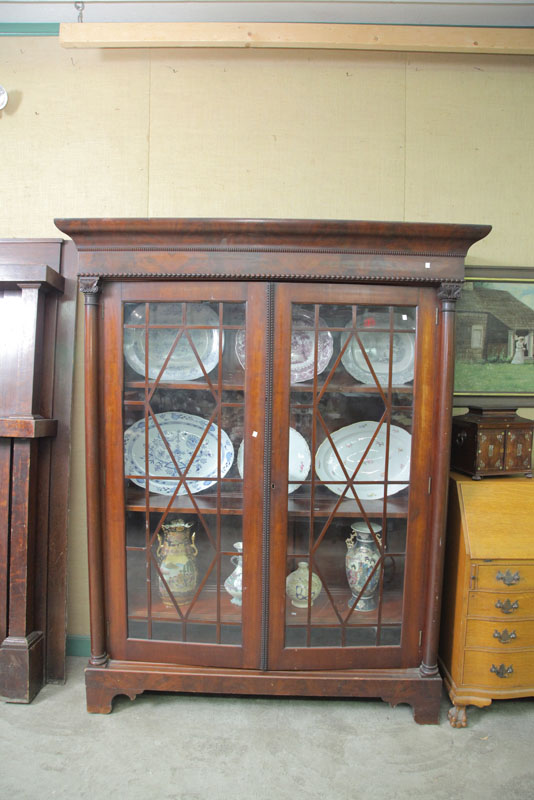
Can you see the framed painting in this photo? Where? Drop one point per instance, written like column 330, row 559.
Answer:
column 494, row 356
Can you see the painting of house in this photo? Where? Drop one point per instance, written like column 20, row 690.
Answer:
column 492, row 325
column 494, row 354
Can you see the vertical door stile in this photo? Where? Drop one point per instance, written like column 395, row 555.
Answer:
column 311, row 536
column 267, row 479
column 219, row 498
column 114, row 541
column 148, row 559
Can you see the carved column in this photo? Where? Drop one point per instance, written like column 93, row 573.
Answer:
column 448, row 294
column 91, row 288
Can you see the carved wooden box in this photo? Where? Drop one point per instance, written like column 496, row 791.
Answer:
column 491, row 441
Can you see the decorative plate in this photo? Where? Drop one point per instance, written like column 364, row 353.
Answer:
column 182, row 432
column 299, row 459
column 376, row 345
column 351, row 443
column 183, row 364
column 302, row 346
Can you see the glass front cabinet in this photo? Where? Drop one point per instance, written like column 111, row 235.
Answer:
column 268, row 410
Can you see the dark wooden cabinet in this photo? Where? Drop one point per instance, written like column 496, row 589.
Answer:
column 37, row 302
column 268, row 409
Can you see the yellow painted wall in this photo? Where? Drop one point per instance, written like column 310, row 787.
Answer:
column 261, row 134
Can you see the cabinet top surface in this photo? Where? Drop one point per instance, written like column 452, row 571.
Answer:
column 399, row 237
column 497, row 516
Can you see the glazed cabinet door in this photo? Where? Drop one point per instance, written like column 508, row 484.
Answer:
column 178, row 402
column 354, row 368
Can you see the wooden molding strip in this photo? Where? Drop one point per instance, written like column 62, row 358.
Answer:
column 24, row 428
column 19, row 274
column 409, row 38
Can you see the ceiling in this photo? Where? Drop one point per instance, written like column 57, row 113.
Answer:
column 514, row 13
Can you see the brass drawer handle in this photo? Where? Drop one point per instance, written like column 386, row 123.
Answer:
column 502, row 671
column 507, row 578
column 504, row 637
column 507, row 607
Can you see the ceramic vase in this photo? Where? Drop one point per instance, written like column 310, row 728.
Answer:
column 234, row 582
column 177, row 554
column 298, row 586
column 362, row 555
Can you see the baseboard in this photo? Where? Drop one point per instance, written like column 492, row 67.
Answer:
column 78, row 645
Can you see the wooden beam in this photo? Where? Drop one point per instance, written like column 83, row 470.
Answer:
column 408, row 38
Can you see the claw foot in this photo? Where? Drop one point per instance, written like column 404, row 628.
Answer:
column 458, row 716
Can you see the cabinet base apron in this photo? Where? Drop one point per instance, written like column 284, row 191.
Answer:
column 393, row 686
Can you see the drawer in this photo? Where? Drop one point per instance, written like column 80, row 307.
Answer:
column 504, row 635
column 499, row 576
column 501, row 605
column 501, row 672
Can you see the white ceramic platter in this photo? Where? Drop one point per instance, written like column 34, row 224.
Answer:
column 302, row 346
column 182, row 432
column 351, row 443
column 183, row 364
column 299, row 459
column 377, row 346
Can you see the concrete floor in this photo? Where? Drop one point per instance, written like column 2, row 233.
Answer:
column 171, row 747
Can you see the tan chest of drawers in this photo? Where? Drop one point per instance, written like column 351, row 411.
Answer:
column 487, row 632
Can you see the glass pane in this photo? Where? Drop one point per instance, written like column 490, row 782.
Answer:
column 184, row 401
column 349, row 445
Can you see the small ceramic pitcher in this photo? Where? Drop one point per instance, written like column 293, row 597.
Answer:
column 234, row 582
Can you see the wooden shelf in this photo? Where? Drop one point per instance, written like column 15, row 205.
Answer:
column 234, row 381
column 397, row 505
column 206, row 503
column 322, row 612
column 204, row 610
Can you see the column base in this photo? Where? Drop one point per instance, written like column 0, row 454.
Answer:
column 21, row 667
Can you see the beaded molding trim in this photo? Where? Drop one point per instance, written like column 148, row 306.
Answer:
column 224, row 276
column 193, row 248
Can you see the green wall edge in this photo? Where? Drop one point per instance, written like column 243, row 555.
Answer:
column 52, row 28
column 78, row 645
column 29, row 28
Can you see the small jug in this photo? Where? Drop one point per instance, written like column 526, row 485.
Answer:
column 299, row 586
column 234, row 582
column 176, row 554
column 362, row 555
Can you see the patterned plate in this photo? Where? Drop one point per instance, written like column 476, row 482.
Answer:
column 299, row 459
column 182, row 432
column 351, row 443
column 376, row 344
column 183, row 365
column 302, row 346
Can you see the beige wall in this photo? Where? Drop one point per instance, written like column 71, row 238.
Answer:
column 261, row 134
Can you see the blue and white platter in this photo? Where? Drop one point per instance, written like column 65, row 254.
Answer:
column 182, row 433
